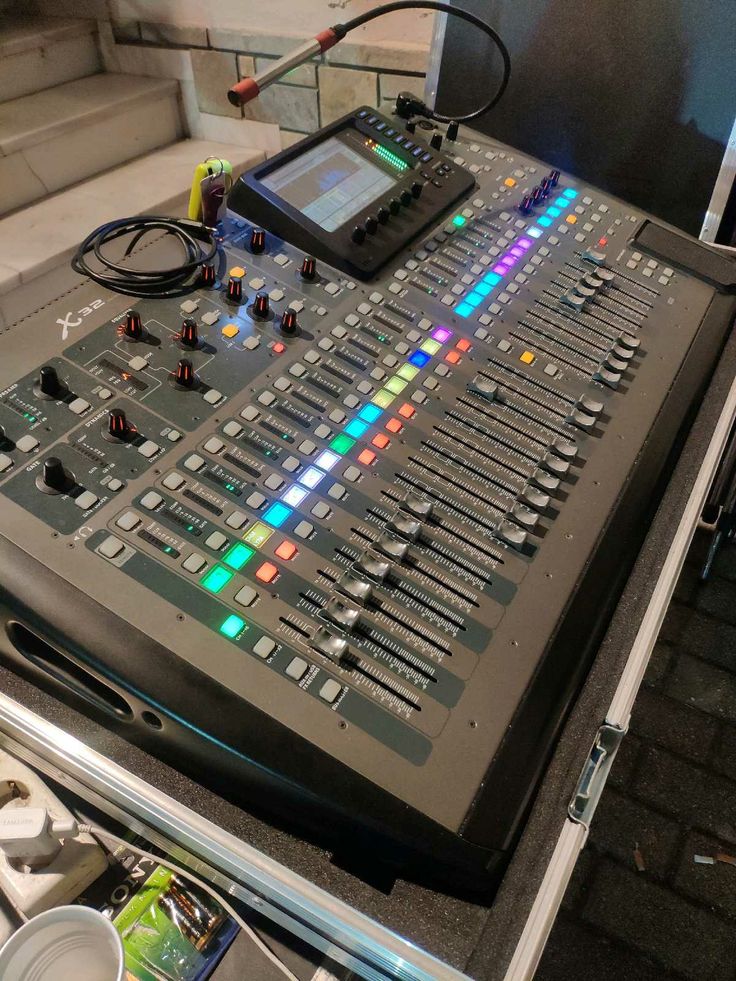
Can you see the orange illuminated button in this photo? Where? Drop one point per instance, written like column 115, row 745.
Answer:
column 278, row 348
column 286, row 550
column 510, row 182
column 394, row 426
column 527, row 357
column 267, row 572
column 237, row 271
column 407, row 411
column 366, row 457
column 463, row 344
column 381, row 440
column 571, row 220
column 452, row 356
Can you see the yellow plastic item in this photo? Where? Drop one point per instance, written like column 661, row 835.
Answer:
column 210, row 166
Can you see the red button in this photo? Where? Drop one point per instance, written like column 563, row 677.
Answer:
column 452, row 356
column 407, row 411
column 278, row 348
column 381, row 440
column 366, row 457
column 267, row 572
column 394, row 426
column 463, row 345
column 286, row 550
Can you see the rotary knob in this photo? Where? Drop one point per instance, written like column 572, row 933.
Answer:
column 207, row 276
column 554, row 177
column 406, row 198
column 452, row 130
column 526, row 204
column 537, row 195
column 436, row 141
column 235, row 289
column 289, row 324
column 261, row 306
column 371, row 225
column 257, row 241
column 133, row 330
column 416, row 189
column 546, row 186
column 48, row 385
column 394, row 206
column 189, row 334
column 358, row 234
column 308, row 272
column 55, row 478
column 184, row 373
column 383, row 215
column 117, row 425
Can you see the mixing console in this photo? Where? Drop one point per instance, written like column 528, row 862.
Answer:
column 346, row 538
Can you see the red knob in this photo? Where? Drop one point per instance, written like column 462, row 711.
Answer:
column 188, row 335
column 309, row 268
column 289, row 323
column 117, row 424
column 207, row 275
column 261, row 306
column 257, row 241
column 184, row 375
column 133, row 325
column 235, row 289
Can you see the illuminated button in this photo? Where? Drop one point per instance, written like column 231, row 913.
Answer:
column 237, row 271
column 232, row 626
column 278, row 348
column 452, row 357
column 286, row 550
column 380, row 440
column 311, row 477
column 408, row 372
column 230, row 330
column 463, row 345
column 267, row 572
column 395, row 385
column 356, row 428
column 366, row 457
column 370, row 413
column 327, row 460
column 216, row 579
column 258, row 535
column 430, row 346
column 407, row 411
column 394, row 426
column 383, row 399
column 341, row 444
column 527, row 357
column 277, row 514
column 571, row 219
column 237, row 556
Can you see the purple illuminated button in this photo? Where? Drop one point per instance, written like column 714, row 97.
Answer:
column 508, row 261
column 517, row 252
column 498, row 268
column 524, row 243
column 441, row 334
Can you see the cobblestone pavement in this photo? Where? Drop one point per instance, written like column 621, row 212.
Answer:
column 672, row 793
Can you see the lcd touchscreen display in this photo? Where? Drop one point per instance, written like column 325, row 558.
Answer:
column 330, row 183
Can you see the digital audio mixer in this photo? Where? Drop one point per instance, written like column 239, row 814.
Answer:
column 340, row 529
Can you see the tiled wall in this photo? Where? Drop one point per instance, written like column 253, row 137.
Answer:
column 191, row 40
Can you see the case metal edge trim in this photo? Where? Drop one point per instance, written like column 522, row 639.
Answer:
column 721, row 190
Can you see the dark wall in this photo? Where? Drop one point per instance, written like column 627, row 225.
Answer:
column 636, row 96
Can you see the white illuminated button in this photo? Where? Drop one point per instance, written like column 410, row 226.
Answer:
column 214, row 445
column 215, row 541
column 78, row 406
column 213, row 396
column 111, row 547
column 86, row 500
column 232, row 429
column 194, row 563
column 236, row 520
column 194, row 462
column 173, row 481
column 246, row 596
column 137, row 363
column 128, row 521
column 148, row 449
column 255, row 500
column 26, row 444
column 151, row 501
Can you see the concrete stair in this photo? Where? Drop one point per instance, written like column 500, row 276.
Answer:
column 79, row 147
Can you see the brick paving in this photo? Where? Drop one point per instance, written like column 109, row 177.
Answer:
column 672, row 793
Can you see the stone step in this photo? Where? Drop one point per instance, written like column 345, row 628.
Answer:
column 41, row 52
column 55, row 138
column 37, row 243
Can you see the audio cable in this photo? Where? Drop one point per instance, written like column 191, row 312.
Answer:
column 196, row 240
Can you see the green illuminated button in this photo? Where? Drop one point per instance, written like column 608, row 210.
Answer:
column 258, row 535
column 238, row 555
column 458, row 221
column 430, row 346
column 342, row 444
column 216, row 579
column 232, row 626
column 383, row 399
column 396, row 385
column 408, row 372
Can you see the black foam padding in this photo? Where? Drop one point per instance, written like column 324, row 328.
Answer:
column 713, row 267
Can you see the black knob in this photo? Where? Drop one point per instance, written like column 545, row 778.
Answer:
column 452, row 130
column 546, row 185
column 394, row 205
column 406, row 198
column 207, row 276
column 56, row 476
column 358, row 234
column 235, row 289
column 383, row 215
column 554, row 177
column 371, row 225
column 189, row 335
column 416, row 189
column 48, row 383
column 257, row 241
column 288, row 325
column 526, row 204
column 436, row 141
column 410, row 126
column 261, row 306
column 133, row 329
column 537, row 195
column 308, row 272
column 117, row 424
column 184, row 374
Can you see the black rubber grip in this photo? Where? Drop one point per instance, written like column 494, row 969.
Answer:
column 693, row 257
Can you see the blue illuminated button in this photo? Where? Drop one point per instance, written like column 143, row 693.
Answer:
column 473, row 299
column 277, row 514
column 232, row 626
column 370, row 413
column 483, row 288
column 463, row 309
column 420, row 359
column 356, row 428
column 570, row 193
column 534, row 232
column 492, row 279
column 293, row 496
column 544, row 221
column 554, row 212
column 562, row 202
column 327, row 459
column 311, row 477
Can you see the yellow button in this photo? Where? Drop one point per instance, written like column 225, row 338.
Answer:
column 510, row 182
column 527, row 357
column 237, row 271
column 571, row 219
column 229, row 330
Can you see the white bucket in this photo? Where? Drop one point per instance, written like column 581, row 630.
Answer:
column 70, row 943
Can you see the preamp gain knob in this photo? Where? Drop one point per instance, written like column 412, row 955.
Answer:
column 133, row 328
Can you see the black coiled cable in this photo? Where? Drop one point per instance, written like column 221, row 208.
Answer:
column 196, row 240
